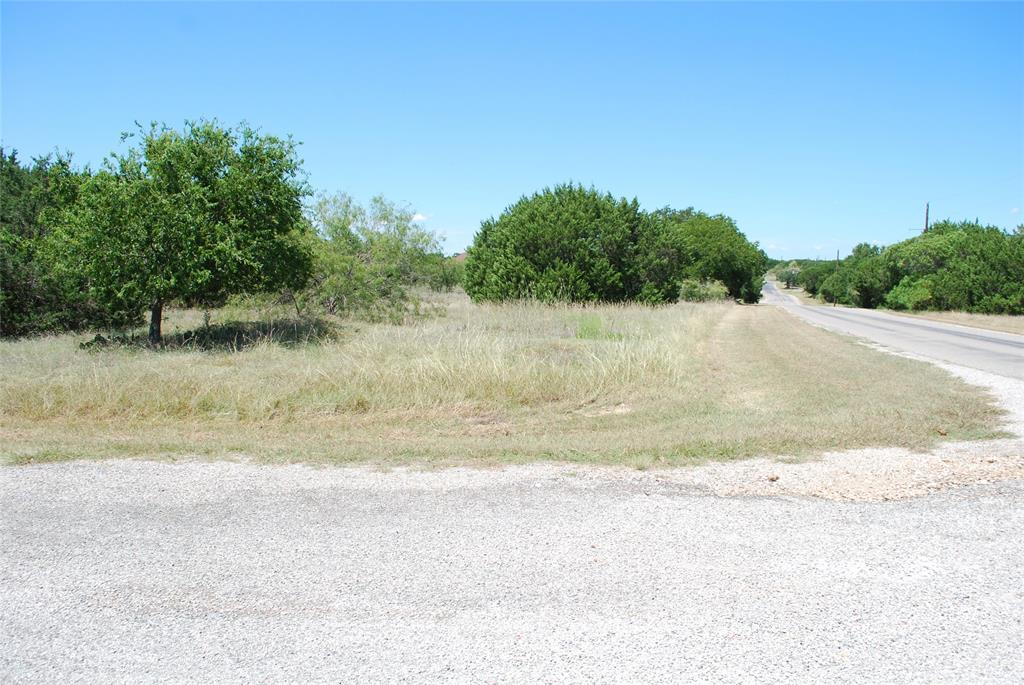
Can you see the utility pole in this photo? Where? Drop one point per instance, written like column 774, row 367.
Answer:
column 925, row 218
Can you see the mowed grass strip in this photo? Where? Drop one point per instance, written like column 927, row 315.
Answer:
column 490, row 384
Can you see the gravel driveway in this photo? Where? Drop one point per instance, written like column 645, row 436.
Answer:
column 142, row 571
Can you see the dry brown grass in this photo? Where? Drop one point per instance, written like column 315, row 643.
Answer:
column 993, row 322
column 487, row 385
column 806, row 297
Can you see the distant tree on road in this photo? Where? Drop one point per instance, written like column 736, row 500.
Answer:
column 789, row 275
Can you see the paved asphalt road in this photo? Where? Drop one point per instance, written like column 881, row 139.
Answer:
column 992, row 351
column 223, row 572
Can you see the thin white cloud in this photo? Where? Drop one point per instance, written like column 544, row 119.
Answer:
column 1015, row 210
column 419, row 217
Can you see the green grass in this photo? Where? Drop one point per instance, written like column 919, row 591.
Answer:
column 591, row 327
column 483, row 385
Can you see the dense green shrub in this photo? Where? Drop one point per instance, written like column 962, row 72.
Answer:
column 193, row 215
column 787, row 273
column 692, row 290
column 813, row 274
column 443, row 274
column 954, row 265
column 911, row 294
column 696, row 245
column 32, row 298
column 567, row 243
column 963, row 266
column 571, row 243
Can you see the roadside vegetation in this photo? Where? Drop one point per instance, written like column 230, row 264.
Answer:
column 952, row 266
column 479, row 384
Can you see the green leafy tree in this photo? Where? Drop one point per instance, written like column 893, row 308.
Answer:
column 864, row 282
column 704, row 247
column 954, row 265
column 193, row 215
column 564, row 243
column 957, row 265
column 369, row 259
column 813, row 274
column 788, row 274
column 788, row 277
column 835, row 288
column 443, row 274
column 576, row 244
column 858, row 280
column 32, row 299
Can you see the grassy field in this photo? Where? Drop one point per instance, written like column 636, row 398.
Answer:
column 483, row 385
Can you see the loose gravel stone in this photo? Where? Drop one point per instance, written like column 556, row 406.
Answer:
column 225, row 572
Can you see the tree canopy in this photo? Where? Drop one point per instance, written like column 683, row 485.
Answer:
column 194, row 215
column 576, row 244
column 368, row 258
column 32, row 298
column 953, row 265
column 564, row 243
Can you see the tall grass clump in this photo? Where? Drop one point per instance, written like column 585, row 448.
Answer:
column 522, row 354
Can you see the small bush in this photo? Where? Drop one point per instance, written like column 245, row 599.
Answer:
column 691, row 290
column 369, row 261
column 910, row 295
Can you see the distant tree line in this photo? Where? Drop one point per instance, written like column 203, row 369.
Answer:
column 576, row 244
column 193, row 217
column 196, row 216
column 952, row 266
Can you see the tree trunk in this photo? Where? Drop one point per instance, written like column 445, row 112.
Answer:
column 156, row 313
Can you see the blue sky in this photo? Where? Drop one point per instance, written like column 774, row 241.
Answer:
column 815, row 126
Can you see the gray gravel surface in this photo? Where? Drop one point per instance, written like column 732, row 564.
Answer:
column 218, row 572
